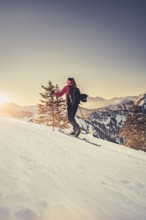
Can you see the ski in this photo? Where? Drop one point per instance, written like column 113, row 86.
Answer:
column 80, row 138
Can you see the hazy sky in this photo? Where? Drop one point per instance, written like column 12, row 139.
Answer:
column 101, row 43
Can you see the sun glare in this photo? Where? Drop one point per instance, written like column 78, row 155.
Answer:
column 3, row 98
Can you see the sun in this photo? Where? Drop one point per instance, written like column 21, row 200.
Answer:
column 3, row 98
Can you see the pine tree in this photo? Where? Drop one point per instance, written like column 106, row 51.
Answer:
column 45, row 109
column 52, row 110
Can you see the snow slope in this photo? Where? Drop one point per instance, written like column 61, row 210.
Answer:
column 46, row 175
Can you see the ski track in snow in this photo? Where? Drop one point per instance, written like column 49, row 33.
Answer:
column 46, row 175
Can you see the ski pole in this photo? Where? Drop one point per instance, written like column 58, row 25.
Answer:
column 84, row 119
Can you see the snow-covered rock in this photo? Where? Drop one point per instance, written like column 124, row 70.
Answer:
column 141, row 101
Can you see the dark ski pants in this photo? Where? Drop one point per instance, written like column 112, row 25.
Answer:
column 71, row 110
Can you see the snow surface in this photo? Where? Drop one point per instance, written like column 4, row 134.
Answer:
column 46, row 175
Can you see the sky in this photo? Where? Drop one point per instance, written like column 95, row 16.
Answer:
column 101, row 43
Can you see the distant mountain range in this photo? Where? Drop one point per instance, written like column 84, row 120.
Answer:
column 93, row 104
column 98, row 102
column 17, row 111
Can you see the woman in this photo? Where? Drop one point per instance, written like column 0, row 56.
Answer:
column 72, row 103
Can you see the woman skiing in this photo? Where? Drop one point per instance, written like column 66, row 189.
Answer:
column 73, row 100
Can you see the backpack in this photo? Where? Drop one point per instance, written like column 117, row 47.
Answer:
column 75, row 97
column 83, row 97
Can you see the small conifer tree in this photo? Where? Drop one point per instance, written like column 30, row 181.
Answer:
column 52, row 110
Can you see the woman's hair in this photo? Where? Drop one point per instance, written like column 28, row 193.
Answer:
column 73, row 82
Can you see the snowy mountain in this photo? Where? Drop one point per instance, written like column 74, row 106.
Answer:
column 46, row 175
column 124, row 123
column 17, row 111
column 108, row 121
column 98, row 102
column 141, row 101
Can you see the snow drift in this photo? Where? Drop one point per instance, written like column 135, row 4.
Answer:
column 46, row 175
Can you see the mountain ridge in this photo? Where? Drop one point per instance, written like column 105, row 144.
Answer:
column 8, row 108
